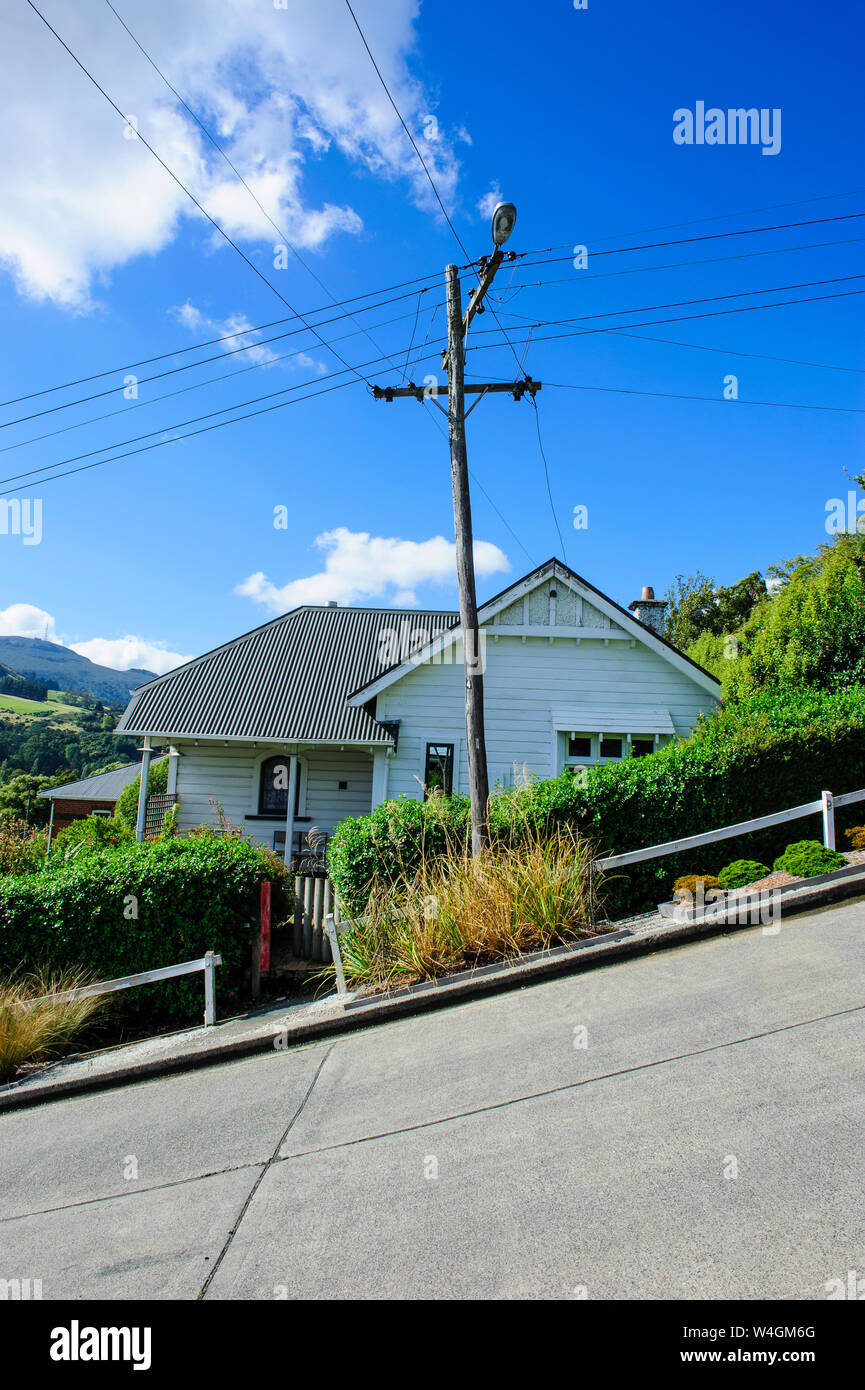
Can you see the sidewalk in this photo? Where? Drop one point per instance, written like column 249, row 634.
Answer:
column 287, row 1025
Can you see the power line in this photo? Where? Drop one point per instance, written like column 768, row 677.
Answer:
column 717, row 217
column 547, row 476
column 212, row 220
column 576, row 281
column 732, row 352
column 716, row 400
column 293, row 249
column 690, row 240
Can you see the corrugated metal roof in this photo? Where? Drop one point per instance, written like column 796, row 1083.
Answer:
column 104, row 786
column 286, row 682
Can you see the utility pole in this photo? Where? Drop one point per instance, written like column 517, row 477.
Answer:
column 453, row 361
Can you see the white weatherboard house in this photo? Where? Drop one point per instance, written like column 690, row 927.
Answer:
column 327, row 711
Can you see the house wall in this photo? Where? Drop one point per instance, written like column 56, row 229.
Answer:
column 230, row 774
column 65, row 812
column 523, row 683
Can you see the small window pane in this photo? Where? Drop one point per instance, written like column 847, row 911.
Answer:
column 611, row 747
column 580, row 746
column 642, row 747
column 273, row 787
column 439, row 770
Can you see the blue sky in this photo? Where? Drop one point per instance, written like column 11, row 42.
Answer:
column 569, row 113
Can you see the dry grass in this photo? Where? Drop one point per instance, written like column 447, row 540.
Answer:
column 467, row 911
column 35, row 1022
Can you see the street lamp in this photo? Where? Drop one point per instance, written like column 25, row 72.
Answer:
column 504, row 217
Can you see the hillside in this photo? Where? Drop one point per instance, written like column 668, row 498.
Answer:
column 62, row 669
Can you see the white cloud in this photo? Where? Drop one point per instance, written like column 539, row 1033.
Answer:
column 360, row 566
column 279, row 88
column 25, row 620
column 236, row 332
column 488, row 203
column 122, row 653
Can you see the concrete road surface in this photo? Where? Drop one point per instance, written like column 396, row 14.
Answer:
column 683, row 1125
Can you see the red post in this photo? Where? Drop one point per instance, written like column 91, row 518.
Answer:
column 265, row 927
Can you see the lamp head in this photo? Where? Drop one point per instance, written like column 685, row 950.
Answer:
column 504, row 218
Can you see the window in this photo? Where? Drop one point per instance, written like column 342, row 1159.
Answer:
column 439, row 769
column 273, row 787
column 611, row 747
column 579, row 746
column 642, row 747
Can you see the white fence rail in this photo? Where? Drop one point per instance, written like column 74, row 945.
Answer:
column 826, row 805
column 207, row 963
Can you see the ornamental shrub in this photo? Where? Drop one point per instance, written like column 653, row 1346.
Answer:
column 742, row 872
column 91, row 833
column 856, row 836
column 806, row 858
column 135, row 907
column 690, row 884
column 773, row 751
column 157, row 782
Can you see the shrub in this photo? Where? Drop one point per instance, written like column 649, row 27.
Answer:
column 35, row 1023
column 127, row 802
column 690, row 885
column 774, row 751
column 741, row 872
column 22, row 850
column 91, row 833
column 806, row 858
column 449, row 914
column 856, row 836
column 135, row 907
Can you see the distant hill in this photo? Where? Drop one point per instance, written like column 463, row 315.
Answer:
column 62, row 669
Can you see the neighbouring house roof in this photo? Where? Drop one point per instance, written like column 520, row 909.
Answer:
column 285, row 682
column 104, row 786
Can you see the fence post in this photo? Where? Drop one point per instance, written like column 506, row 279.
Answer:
column 209, row 991
column 333, row 938
column 828, row 820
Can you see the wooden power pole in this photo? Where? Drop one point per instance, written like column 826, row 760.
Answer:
column 453, row 360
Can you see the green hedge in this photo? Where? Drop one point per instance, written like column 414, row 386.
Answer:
column 752, row 759
column 138, row 907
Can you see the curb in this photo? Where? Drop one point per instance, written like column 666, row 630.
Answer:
column 445, row 992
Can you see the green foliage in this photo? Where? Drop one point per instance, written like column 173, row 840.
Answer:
column 741, row 872
column 775, row 750
column 129, row 908
column 806, row 858
column 91, row 833
column 697, row 607
column 22, row 849
column 689, row 885
column 20, row 799
column 127, row 802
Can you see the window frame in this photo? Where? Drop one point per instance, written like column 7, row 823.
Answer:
column 448, row 788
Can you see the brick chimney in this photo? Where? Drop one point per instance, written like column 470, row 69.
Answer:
column 649, row 611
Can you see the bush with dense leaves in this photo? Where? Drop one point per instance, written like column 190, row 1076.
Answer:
column 741, row 872
column 856, row 836
column 137, row 907
column 22, row 849
column 91, row 833
column 768, row 753
column 692, row 885
column 127, row 801
column 806, row 858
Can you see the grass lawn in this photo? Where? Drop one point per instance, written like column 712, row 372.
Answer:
column 14, row 704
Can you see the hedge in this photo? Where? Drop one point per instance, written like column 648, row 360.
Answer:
column 138, row 907
column 751, row 759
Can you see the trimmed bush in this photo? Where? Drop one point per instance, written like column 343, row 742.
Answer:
column 806, row 858
column 856, row 836
column 741, row 872
column 91, row 833
column 689, row 885
column 754, row 758
column 134, row 907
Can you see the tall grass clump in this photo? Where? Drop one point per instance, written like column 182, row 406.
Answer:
column 461, row 911
column 36, row 1021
